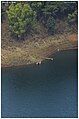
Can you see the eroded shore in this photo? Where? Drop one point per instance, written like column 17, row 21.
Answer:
column 34, row 51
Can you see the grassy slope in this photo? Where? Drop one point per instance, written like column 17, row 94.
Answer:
column 33, row 50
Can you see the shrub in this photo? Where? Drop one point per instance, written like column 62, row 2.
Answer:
column 21, row 19
column 72, row 17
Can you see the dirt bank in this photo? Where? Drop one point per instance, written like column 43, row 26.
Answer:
column 32, row 51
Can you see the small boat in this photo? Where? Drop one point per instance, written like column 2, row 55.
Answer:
column 49, row 58
column 38, row 63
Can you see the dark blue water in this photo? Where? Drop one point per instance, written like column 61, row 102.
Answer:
column 47, row 90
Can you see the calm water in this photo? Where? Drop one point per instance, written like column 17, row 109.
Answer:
column 47, row 90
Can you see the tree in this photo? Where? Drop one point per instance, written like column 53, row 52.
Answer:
column 51, row 25
column 59, row 9
column 37, row 6
column 21, row 19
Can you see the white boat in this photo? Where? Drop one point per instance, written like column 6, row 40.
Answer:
column 38, row 63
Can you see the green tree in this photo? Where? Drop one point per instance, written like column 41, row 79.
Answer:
column 51, row 25
column 37, row 6
column 59, row 9
column 21, row 19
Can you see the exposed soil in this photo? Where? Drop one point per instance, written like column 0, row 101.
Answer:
column 34, row 49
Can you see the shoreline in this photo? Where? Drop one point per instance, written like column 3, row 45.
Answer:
column 28, row 54
column 21, row 65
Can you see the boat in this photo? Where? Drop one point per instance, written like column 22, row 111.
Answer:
column 38, row 63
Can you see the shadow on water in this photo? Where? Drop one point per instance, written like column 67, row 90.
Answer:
column 47, row 90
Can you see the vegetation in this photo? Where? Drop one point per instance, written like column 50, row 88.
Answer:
column 24, row 16
column 51, row 25
column 72, row 18
column 40, row 27
column 21, row 19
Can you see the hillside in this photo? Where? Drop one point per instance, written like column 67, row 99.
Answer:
column 34, row 49
column 38, row 44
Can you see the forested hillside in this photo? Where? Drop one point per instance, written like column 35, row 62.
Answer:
column 30, row 27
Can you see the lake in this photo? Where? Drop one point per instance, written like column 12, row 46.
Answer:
column 47, row 90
